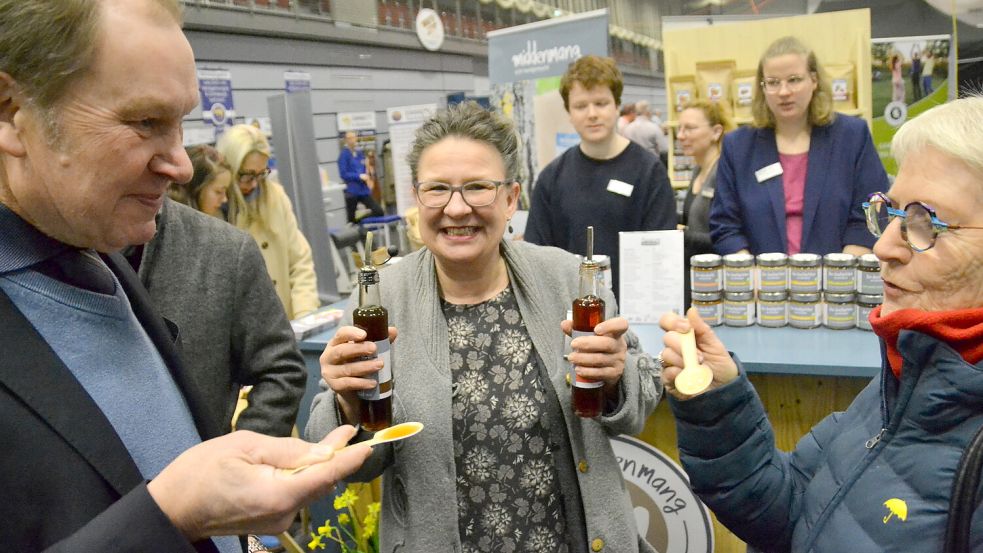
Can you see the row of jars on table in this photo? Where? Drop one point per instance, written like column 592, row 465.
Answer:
column 803, row 290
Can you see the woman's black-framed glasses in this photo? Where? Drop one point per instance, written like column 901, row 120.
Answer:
column 246, row 176
column 920, row 226
column 478, row 193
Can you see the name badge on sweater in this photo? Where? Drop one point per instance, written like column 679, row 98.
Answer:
column 768, row 172
column 619, row 187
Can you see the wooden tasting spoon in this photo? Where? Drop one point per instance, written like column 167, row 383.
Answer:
column 694, row 378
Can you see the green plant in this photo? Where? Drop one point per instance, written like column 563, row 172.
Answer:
column 354, row 534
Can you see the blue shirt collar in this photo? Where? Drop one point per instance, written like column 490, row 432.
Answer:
column 22, row 245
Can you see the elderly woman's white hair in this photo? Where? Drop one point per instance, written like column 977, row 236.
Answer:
column 952, row 128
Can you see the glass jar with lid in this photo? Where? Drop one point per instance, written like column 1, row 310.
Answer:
column 738, row 308
column 772, row 272
column 840, row 311
column 865, row 304
column 737, row 272
column 804, row 310
column 869, row 275
column 839, row 273
column 804, row 273
column 710, row 306
column 706, row 273
column 772, row 309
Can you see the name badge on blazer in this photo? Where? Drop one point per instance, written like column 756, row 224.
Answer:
column 619, row 187
column 768, row 172
column 707, row 193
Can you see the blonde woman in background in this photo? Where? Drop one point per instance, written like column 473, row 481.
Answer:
column 259, row 205
column 794, row 180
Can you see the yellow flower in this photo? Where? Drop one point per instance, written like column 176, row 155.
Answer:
column 326, row 529
column 315, row 542
column 374, row 508
column 346, row 499
column 343, row 518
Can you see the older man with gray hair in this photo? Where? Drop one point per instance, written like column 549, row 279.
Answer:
column 106, row 441
column 647, row 133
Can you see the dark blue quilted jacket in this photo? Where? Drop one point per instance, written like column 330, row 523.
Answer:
column 874, row 478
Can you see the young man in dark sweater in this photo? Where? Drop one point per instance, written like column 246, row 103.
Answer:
column 606, row 182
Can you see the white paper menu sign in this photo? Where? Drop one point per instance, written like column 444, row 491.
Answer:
column 651, row 268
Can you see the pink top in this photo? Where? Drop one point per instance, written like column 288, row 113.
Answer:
column 794, row 181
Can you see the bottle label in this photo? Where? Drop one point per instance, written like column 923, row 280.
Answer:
column 579, row 381
column 383, row 378
column 773, row 279
column 869, row 282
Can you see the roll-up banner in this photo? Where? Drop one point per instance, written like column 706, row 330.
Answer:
column 545, row 48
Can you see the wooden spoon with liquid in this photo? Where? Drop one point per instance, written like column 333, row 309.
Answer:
column 391, row 434
column 694, row 378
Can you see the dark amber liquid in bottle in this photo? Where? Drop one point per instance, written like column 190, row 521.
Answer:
column 588, row 312
column 375, row 414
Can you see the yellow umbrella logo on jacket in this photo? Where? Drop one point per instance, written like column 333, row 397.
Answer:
column 896, row 507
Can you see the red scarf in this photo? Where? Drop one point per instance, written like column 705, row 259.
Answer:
column 962, row 330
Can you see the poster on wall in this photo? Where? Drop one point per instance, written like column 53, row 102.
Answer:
column 667, row 513
column 403, row 122
column 296, row 81
column 217, row 109
column 909, row 75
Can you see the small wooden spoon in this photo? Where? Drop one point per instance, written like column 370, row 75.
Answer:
column 694, row 378
column 391, row 434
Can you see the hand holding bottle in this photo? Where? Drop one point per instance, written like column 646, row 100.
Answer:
column 345, row 369
column 600, row 357
column 713, row 352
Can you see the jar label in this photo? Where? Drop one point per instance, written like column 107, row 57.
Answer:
column 577, row 380
column 804, row 279
column 863, row 317
column 838, row 279
column 737, row 279
column 383, row 378
column 840, row 315
column 738, row 313
column 803, row 315
column 870, row 282
column 772, row 313
column 711, row 314
column 772, row 279
column 706, row 280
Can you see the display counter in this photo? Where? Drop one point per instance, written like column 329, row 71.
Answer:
column 800, row 375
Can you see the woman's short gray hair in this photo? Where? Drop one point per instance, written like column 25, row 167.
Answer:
column 952, row 128
column 469, row 120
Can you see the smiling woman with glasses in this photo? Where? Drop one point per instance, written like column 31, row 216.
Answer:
column 794, row 181
column 480, row 356
column 895, row 471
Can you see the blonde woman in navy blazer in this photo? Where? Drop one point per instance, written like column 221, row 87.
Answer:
column 793, row 115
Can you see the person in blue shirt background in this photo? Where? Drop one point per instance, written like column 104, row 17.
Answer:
column 351, row 167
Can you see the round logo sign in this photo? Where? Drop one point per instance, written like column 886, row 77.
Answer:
column 429, row 29
column 896, row 113
column 668, row 515
column 218, row 113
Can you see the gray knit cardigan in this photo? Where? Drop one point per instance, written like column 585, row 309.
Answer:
column 419, row 506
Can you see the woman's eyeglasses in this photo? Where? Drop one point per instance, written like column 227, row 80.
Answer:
column 773, row 85
column 920, row 226
column 477, row 193
column 248, row 176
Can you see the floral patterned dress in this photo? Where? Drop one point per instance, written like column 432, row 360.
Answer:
column 508, row 492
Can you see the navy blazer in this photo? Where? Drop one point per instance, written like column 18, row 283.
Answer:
column 68, row 482
column 843, row 170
